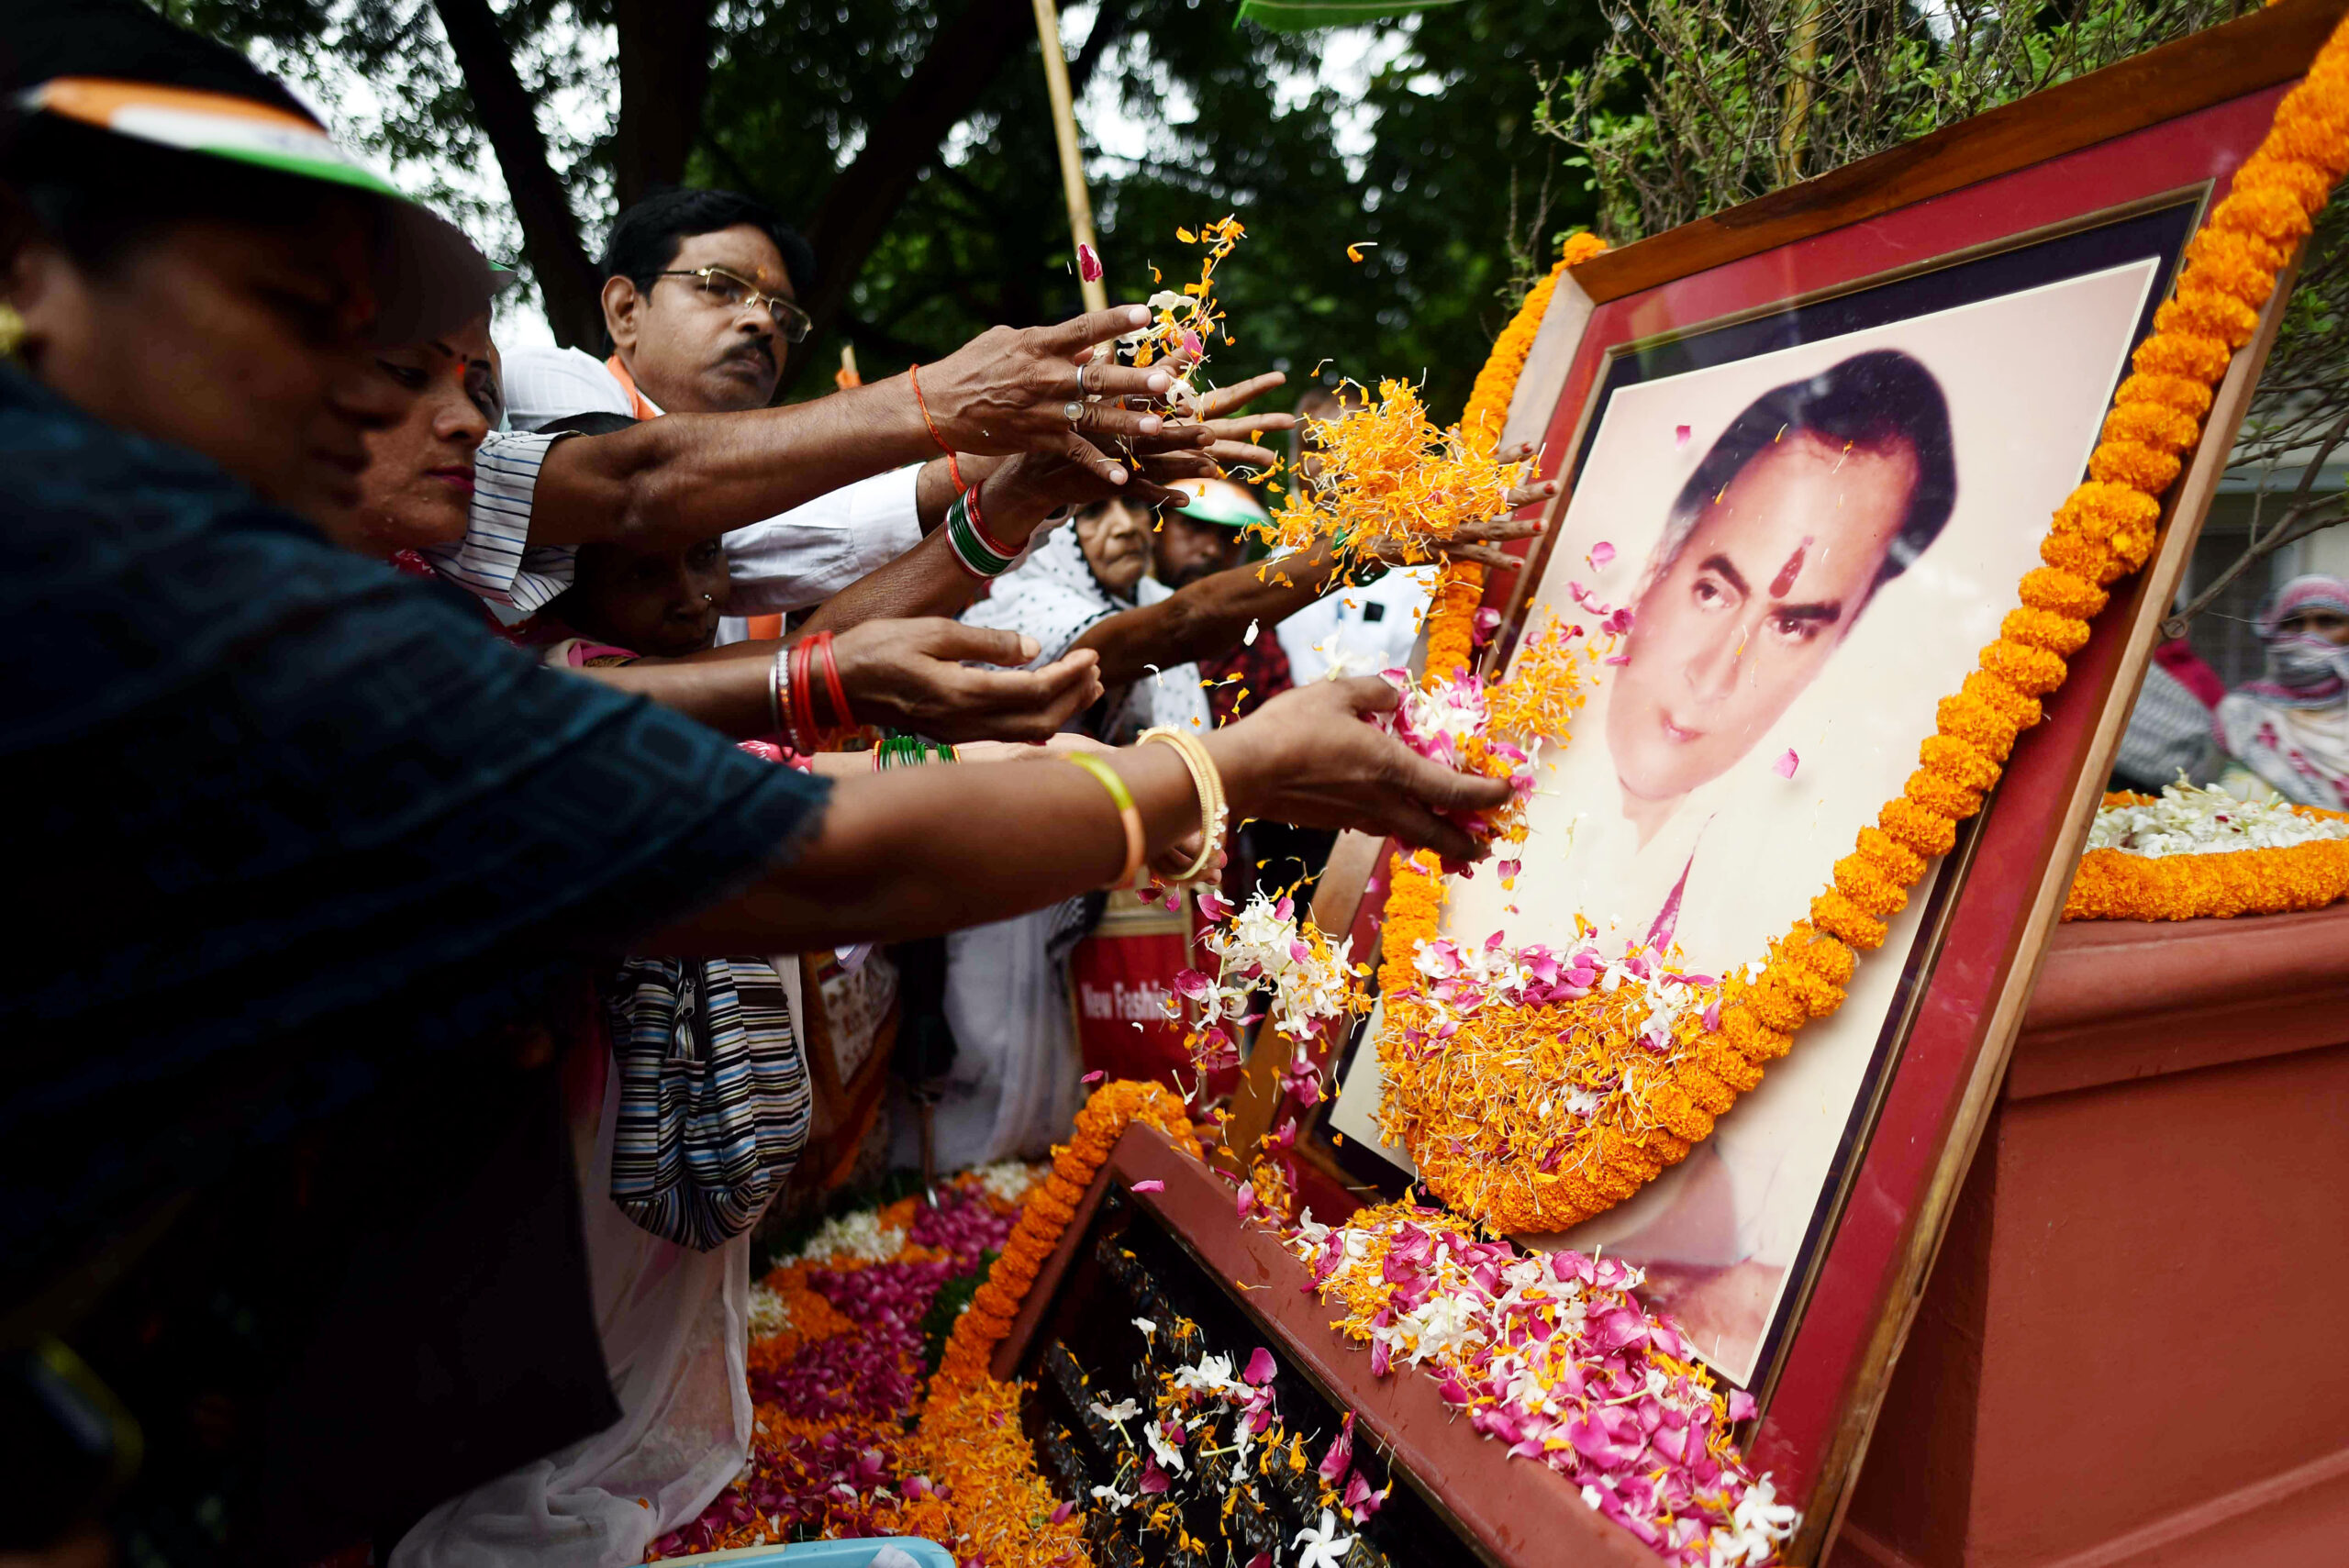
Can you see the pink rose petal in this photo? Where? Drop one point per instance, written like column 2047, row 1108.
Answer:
column 1600, row 554
column 1680, row 434
column 1149, row 1186
column 1088, row 267
column 1785, row 766
column 1340, row 1456
column 1261, row 1366
column 1093, row 1077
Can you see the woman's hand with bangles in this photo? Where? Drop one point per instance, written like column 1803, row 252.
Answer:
column 1309, row 757
column 913, row 675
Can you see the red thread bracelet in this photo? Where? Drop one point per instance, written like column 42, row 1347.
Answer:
column 954, row 469
column 840, row 716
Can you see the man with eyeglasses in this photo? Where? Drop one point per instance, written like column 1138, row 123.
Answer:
column 699, row 290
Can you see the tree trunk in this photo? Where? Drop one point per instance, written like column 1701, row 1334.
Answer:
column 962, row 60
column 665, row 78
column 567, row 278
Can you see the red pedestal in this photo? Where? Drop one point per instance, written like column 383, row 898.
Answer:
column 2134, row 1349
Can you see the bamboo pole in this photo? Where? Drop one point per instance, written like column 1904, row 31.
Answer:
column 1080, row 205
column 1796, row 127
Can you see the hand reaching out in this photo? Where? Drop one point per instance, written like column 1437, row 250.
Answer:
column 1481, row 540
column 1307, row 757
column 911, row 675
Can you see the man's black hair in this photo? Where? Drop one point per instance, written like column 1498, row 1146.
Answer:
column 1873, row 401
column 96, row 193
column 645, row 238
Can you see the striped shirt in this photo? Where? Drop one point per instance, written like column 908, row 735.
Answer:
column 495, row 560
column 791, row 562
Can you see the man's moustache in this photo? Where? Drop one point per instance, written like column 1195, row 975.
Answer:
column 759, row 352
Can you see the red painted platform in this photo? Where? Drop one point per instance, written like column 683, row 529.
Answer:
column 2134, row 1349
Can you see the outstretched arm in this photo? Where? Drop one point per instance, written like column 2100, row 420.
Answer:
column 929, row 850
column 914, row 675
column 1211, row 615
column 690, row 476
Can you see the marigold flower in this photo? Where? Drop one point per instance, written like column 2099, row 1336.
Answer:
column 1958, row 762
column 1942, row 796
column 1836, row 912
column 2033, row 671
column 2191, row 398
column 2062, row 593
column 2193, row 355
column 1927, row 833
column 1744, row 1043
column 2266, row 210
column 1863, row 882
column 2151, row 425
column 2139, row 467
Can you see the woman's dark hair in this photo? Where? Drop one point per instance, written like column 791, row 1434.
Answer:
column 646, row 237
column 1875, row 401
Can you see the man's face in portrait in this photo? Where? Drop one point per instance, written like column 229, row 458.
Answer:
column 1763, row 590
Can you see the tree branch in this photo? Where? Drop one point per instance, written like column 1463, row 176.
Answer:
column 664, row 77
column 2291, row 528
column 549, row 231
column 963, row 59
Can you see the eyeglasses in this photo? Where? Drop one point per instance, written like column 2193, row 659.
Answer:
column 730, row 291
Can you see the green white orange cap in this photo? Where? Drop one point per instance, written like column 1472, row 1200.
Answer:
column 429, row 277
column 219, row 124
column 1218, row 501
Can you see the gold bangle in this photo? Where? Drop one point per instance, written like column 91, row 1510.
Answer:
column 1137, row 842
column 1209, row 782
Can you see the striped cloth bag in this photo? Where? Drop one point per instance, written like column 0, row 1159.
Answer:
column 714, row 1103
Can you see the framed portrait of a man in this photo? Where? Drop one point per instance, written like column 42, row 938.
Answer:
column 1817, row 518
column 1809, row 450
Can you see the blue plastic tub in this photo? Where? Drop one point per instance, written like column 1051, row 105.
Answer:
column 829, row 1553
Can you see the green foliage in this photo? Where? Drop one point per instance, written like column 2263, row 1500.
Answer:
column 1421, row 162
column 1692, row 106
column 1696, row 106
column 1237, row 128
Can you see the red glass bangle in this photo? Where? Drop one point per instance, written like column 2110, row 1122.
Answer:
column 803, row 701
column 840, row 716
column 971, row 510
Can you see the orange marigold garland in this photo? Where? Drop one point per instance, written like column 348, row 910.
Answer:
column 2103, row 532
column 2171, row 858
column 1046, row 1215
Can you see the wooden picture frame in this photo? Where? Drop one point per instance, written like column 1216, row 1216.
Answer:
column 2174, row 122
